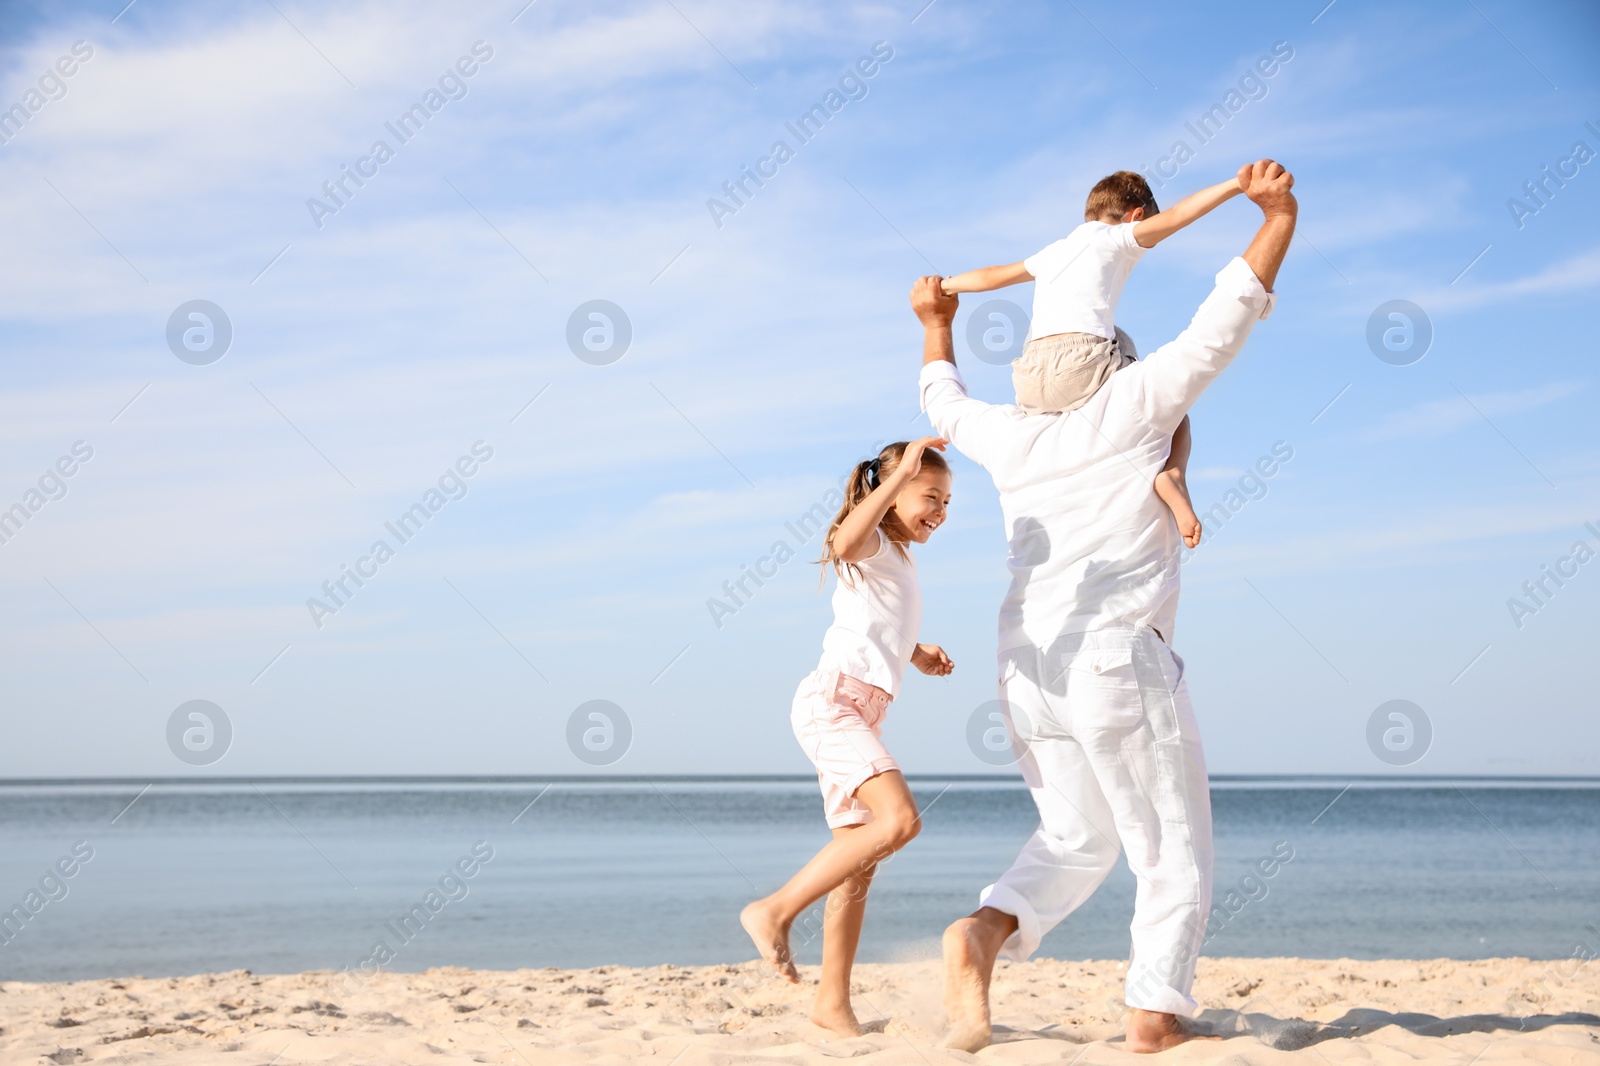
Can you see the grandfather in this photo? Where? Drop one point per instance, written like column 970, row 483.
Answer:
column 1096, row 699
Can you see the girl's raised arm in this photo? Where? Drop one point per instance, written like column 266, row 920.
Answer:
column 856, row 539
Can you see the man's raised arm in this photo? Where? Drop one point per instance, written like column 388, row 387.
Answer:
column 1269, row 185
column 977, row 429
column 935, row 311
column 1173, row 377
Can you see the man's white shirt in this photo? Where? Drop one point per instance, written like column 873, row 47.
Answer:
column 1090, row 543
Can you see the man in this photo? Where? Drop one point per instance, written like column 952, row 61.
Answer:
column 1098, row 707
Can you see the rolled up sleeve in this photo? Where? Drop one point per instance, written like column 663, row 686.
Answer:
column 1174, row 375
column 977, row 429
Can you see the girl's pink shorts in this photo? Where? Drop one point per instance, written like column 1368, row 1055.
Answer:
column 837, row 719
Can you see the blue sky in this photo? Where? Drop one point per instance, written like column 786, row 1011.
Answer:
column 768, row 354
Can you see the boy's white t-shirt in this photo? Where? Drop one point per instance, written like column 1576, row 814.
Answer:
column 876, row 617
column 1078, row 279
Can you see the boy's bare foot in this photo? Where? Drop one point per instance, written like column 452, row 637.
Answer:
column 1149, row 1032
column 1188, row 524
column 771, row 939
column 968, row 967
column 1174, row 492
column 837, row 1018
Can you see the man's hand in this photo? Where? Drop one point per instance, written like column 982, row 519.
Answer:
column 1267, row 184
column 933, row 308
column 931, row 659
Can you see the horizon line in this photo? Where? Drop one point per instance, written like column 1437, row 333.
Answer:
column 523, row 779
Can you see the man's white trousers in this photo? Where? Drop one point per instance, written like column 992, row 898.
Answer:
column 1109, row 748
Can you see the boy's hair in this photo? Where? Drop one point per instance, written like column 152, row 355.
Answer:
column 1116, row 194
column 868, row 475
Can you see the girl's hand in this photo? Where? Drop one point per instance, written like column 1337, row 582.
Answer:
column 931, row 660
column 911, row 462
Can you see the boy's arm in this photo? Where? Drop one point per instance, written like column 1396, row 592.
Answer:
column 985, row 279
column 1150, row 232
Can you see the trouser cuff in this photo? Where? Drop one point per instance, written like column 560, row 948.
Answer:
column 1025, row 941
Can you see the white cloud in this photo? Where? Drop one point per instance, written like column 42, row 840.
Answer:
column 1395, row 537
column 1216, row 473
column 1439, row 417
column 1577, row 273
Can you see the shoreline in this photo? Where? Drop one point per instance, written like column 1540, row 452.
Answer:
column 1268, row 1010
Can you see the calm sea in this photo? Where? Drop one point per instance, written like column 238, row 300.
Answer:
column 281, row 877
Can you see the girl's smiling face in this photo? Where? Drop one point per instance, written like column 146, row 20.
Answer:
column 919, row 509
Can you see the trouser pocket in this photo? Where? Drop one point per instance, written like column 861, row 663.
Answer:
column 1102, row 689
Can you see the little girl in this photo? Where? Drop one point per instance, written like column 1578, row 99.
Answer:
column 892, row 501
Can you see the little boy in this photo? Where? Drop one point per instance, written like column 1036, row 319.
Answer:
column 1074, row 345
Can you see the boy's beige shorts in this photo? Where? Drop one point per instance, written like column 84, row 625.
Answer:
column 1061, row 372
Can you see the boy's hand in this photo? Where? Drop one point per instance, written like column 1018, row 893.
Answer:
column 930, row 302
column 1267, row 184
column 931, row 660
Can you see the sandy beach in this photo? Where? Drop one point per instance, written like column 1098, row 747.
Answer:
column 1268, row 1010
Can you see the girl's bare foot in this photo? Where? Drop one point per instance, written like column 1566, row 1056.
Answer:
column 1149, row 1032
column 837, row 1018
column 771, row 938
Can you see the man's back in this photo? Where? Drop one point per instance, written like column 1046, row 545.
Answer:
column 1090, row 543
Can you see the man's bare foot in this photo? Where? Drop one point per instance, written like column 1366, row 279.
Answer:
column 837, row 1018
column 968, row 967
column 771, row 938
column 1149, row 1032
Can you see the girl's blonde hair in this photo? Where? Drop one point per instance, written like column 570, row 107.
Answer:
column 868, row 475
